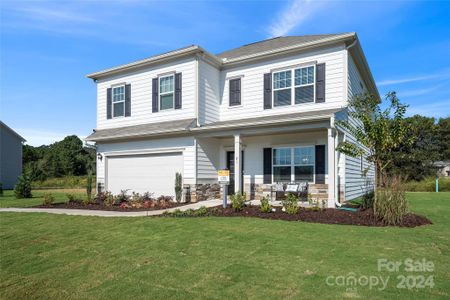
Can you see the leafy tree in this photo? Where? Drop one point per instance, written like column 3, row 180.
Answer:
column 443, row 133
column 414, row 161
column 67, row 157
column 378, row 131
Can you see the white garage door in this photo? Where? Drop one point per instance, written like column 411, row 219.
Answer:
column 144, row 173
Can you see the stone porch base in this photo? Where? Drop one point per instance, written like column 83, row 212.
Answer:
column 258, row 191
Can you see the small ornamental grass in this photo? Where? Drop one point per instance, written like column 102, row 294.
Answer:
column 238, row 201
column 390, row 205
column 290, row 204
column 48, row 199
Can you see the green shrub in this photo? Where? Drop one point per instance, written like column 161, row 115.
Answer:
column 89, row 181
column 48, row 199
column 23, row 187
column 202, row 211
column 390, row 205
column 1, row 189
column 290, row 204
column 238, row 201
column 367, row 200
column 71, row 197
column 265, row 205
column 178, row 186
column 109, row 199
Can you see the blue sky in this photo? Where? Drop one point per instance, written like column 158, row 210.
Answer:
column 47, row 48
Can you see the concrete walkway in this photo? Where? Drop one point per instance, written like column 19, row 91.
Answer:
column 108, row 213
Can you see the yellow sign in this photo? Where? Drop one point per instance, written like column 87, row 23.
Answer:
column 223, row 176
column 223, row 173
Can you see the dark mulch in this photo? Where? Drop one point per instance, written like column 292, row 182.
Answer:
column 79, row 205
column 326, row 216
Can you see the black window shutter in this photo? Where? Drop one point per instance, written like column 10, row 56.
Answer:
column 268, row 91
column 155, row 94
column 177, row 90
column 109, row 103
column 235, row 91
column 320, row 164
column 127, row 100
column 267, row 160
column 320, row 83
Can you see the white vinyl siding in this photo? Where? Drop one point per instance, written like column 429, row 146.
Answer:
column 252, row 80
column 355, row 182
column 209, row 93
column 141, row 97
column 208, row 153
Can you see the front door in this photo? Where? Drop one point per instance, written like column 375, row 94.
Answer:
column 230, row 166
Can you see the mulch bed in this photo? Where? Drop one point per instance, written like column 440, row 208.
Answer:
column 78, row 205
column 326, row 216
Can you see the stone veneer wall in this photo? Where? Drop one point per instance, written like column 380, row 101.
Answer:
column 258, row 191
column 201, row 192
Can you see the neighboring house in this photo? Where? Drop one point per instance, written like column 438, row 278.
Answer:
column 10, row 156
column 266, row 111
column 443, row 168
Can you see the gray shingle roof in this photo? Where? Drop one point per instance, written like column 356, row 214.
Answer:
column 273, row 44
column 144, row 130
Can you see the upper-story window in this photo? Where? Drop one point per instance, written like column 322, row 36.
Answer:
column 235, row 92
column 282, row 88
column 304, row 85
column 302, row 89
column 166, row 92
column 118, row 101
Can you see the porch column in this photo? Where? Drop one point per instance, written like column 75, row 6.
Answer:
column 237, row 163
column 331, row 167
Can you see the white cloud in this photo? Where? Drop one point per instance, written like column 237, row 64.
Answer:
column 440, row 75
column 292, row 15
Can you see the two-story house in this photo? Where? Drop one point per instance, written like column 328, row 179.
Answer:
column 266, row 111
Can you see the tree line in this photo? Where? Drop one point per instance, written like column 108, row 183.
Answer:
column 63, row 158
column 429, row 142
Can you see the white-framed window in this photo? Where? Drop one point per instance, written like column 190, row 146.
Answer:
column 304, row 85
column 297, row 91
column 118, row 101
column 282, row 82
column 293, row 164
column 166, row 92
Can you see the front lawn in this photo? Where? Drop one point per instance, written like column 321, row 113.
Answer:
column 60, row 195
column 56, row 256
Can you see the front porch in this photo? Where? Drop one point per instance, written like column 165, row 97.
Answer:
column 259, row 158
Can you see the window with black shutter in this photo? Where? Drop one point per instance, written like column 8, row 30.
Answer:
column 235, row 92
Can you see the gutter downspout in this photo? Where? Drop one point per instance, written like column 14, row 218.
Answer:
column 333, row 127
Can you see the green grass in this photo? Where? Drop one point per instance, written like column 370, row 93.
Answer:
column 60, row 195
column 67, row 182
column 55, row 256
column 428, row 185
